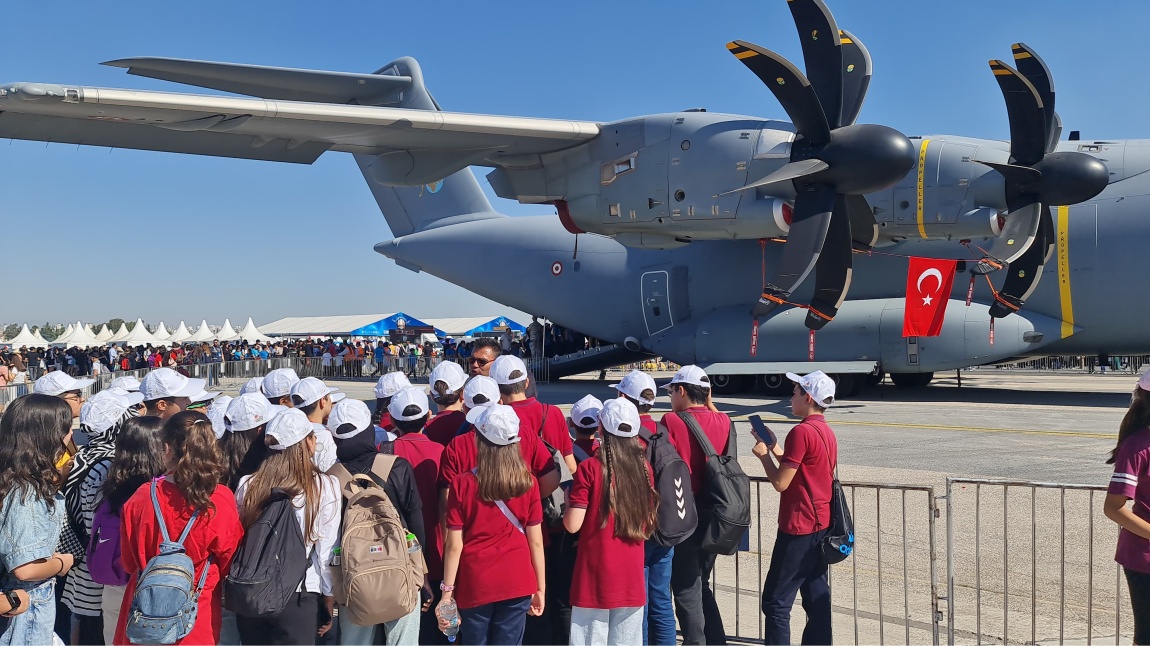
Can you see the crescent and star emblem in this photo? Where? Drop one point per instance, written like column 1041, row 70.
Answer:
column 929, row 273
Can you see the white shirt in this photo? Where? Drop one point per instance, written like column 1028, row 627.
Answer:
column 324, row 456
column 318, row 577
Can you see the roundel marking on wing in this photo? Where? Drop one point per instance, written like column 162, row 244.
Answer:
column 556, row 268
column 434, row 186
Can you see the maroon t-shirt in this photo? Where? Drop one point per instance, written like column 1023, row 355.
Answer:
column 445, row 426
column 496, row 561
column 716, row 426
column 1132, row 479
column 461, row 456
column 805, row 449
column 608, row 570
column 553, row 431
column 589, row 445
column 425, row 457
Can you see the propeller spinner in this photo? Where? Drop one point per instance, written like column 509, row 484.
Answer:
column 833, row 161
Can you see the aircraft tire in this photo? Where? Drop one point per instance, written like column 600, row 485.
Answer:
column 776, row 385
column 911, row 379
column 728, row 384
column 847, row 385
column 874, row 378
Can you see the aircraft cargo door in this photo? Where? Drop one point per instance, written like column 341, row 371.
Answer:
column 655, row 290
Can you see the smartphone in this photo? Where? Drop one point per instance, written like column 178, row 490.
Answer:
column 760, row 430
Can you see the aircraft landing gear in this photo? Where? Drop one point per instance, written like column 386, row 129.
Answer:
column 848, row 384
column 911, row 379
column 728, row 384
column 774, row 385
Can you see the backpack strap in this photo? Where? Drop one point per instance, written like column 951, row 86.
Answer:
column 580, row 454
column 543, row 421
column 700, row 436
column 463, row 428
column 382, row 466
column 164, row 525
column 343, row 475
column 505, row 509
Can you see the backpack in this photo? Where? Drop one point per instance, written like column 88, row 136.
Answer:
column 378, row 574
column 726, row 504
column 103, row 553
column 678, row 517
column 555, row 504
column 839, row 541
column 167, row 597
column 271, row 562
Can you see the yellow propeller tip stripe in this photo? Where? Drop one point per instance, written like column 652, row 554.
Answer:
column 847, row 41
column 1021, row 55
column 747, row 54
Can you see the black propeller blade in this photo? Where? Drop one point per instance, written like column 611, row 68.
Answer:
column 833, row 161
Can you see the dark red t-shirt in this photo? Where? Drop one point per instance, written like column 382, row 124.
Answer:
column 554, row 431
column 462, row 453
column 716, row 426
column 647, row 422
column 589, row 446
column 496, row 561
column 805, row 449
column 425, row 457
column 385, row 422
column 608, row 570
column 445, row 426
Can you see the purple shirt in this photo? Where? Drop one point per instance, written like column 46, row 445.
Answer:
column 1132, row 479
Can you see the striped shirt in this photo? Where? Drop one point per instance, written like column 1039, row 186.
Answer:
column 1131, row 479
column 81, row 594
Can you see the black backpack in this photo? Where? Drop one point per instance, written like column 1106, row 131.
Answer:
column 678, row 517
column 839, row 542
column 726, row 504
column 270, row 563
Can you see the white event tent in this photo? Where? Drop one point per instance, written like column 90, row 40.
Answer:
column 104, row 334
column 25, row 338
column 227, row 332
column 40, row 339
column 139, row 336
column 120, row 334
column 252, row 335
column 77, row 338
column 162, row 333
column 180, row 335
column 204, row 333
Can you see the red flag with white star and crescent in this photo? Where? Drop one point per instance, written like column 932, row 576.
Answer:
column 928, row 284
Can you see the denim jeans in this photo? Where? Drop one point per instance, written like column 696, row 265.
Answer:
column 36, row 625
column 500, row 623
column 659, row 613
column 399, row 632
column 797, row 565
column 617, row 626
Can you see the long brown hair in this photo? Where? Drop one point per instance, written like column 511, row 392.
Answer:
column 290, row 470
column 243, row 452
column 501, row 470
column 1137, row 417
column 627, row 492
column 31, row 434
column 139, row 458
column 199, row 464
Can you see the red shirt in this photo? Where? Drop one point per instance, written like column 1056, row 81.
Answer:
column 445, row 426
column 461, row 456
column 217, row 534
column 385, row 422
column 496, row 561
column 553, row 431
column 1132, row 479
column 647, row 422
column 589, row 445
column 805, row 449
column 425, row 457
column 608, row 570
column 717, row 428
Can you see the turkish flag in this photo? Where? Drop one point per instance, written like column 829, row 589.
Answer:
column 928, row 285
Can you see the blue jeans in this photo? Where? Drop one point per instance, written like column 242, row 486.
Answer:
column 659, row 614
column 500, row 623
column 797, row 565
column 397, row 632
column 35, row 626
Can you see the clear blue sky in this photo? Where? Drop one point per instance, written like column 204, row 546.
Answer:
column 93, row 235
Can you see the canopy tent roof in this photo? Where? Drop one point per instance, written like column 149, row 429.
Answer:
column 227, row 332
column 204, row 333
column 162, row 333
column 471, row 326
column 252, row 335
column 351, row 325
column 139, row 336
column 180, row 335
column 396, row 321
column 26, row 338
column 68, row 330
column 120, row 334
column 40, row 338
column 78, row 338
column 104, row 334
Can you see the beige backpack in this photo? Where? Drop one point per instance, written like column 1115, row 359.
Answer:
column 376, row 578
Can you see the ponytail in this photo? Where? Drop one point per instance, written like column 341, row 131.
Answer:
column 628, row 495
column 1136, row 418
column 198, row 462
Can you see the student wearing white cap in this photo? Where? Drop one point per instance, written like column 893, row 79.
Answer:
column 690, row 392
column 216, row 410
column 277, row 385
column 385, row 389
column 803, row 475
column 584, row 423
column 60, row 384
column 253, row 385
column 167, row 392
column 545, row 421
column 291, row 441
column 493, row 556
column 350, row 424
column 128, row 383
column 447, row 381
column 612, row 506
column 242, row 445
column 315, row 399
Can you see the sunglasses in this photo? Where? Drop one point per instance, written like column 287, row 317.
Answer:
column 478, row 361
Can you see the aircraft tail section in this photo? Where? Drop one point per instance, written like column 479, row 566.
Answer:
column 410, row 190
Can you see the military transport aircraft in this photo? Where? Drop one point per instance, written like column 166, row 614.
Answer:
column 696, row 233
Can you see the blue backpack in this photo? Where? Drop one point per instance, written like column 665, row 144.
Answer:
column 164, row 606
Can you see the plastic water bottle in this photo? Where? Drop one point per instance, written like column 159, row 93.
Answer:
column 449, row 612
column 413, row 545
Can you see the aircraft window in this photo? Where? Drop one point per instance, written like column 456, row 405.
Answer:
column 1090, row 148
column 614, row 210
column 686, row 145
column 610, row 171
column 71, row 95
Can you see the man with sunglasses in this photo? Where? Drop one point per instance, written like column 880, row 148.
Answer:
column 60, row 384
column 484, row 352
column 167, row 392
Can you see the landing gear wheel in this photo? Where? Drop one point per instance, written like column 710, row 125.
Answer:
column 874, row 378
column 728, row 384
column 847, row 385
column 911, row 379
column 775, row 385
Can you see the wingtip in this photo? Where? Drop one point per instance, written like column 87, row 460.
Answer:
column 120, row 62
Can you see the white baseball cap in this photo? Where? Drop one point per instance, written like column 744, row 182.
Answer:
column 1144, row 381
column 589, row 406
column 505, row 365
column 349, row 411
column 102, row 413
column 449, row 373
column 309, row 390
column 617, row 413
column 818, row 385
column 390, row 383
column 58, row 382
column 134, row 398
column 279, row 382
column 254, row 385
column 480, row 385
column 130, row 384
column 289, row 428
column 633, row 385
column 407, row 397
column 165, row 382
column 248, row 411
column 217, row 414
column 693, row 375
column 498, row 423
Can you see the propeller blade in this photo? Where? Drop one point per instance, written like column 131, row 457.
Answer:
column 1025, row 111
column 1054, row 135
column 1014, row 174
column 833, row 269
column 793, row 170
column 790, row 87
column 1035, row 70
column 1017, row 235
column 857, row 70
column 1023, row 276
column 864, row 227
column 812, row 218
column 822, row 52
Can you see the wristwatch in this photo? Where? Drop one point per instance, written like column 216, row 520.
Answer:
column 13, row 600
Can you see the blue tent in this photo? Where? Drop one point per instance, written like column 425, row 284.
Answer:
column 393, row 322
column 491, row 325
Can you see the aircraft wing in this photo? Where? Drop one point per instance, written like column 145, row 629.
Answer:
column 269, row 129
